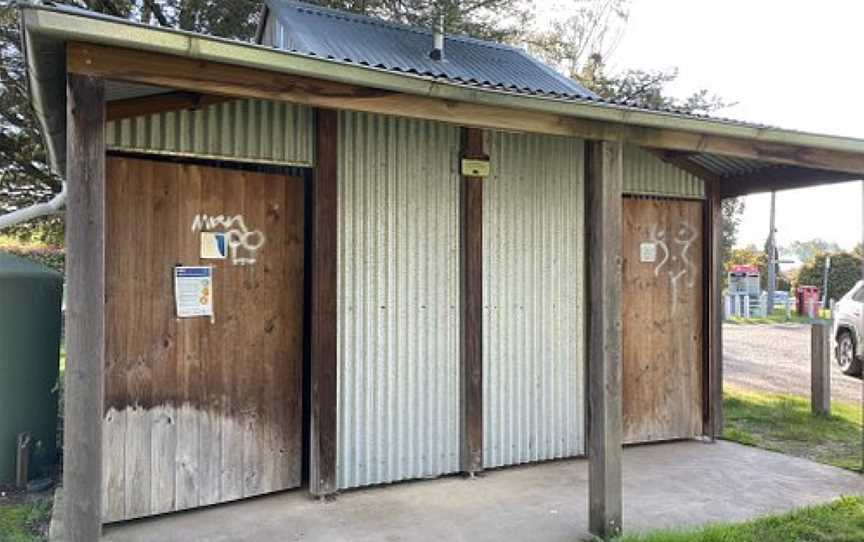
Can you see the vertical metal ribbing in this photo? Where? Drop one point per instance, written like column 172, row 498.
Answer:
column 398, row 323
column 533, row 327
column 243, row 130
column 648, row 175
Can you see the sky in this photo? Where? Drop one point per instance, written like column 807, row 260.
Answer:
column 788, row 63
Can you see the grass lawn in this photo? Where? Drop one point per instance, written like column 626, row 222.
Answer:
column 839, row 521
column 24, row 521
column 783, row 423
column 779, row 317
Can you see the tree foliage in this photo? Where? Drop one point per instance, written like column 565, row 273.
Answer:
column 498, row 20
column 807, row 250
column 24, row 174
column 844, row 273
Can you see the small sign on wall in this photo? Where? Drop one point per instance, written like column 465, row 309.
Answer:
column 193, row 291
column 214, row 245
column 648, row 252
column 475, row 167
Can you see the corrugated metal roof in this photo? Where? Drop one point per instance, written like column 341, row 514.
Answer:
column 727, row 166
column 347, row 37
column 307, row 29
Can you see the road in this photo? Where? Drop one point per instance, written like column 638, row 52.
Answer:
column 776, row 358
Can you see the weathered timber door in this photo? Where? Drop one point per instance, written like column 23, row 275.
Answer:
column 201, row 411
column 662, row 319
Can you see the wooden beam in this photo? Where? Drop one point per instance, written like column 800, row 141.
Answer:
column 713, row 311
column 238, row 81
column 781, row 178
column 322, row 477
column 159, row 103
column 603, row 197
column 472, row 307
column 85, row 307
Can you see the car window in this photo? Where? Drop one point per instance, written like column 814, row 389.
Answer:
column 858, row 295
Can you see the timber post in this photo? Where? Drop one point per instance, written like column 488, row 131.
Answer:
column 322, row 471
column 603, row 191
column 85, row 307
column 713, row 315
column 820, row 369
column 471, row 400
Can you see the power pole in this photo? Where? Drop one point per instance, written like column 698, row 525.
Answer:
column 772, row 258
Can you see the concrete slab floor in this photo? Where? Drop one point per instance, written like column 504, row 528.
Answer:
column 665, row 485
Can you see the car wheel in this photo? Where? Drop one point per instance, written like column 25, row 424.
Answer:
column 846, row 358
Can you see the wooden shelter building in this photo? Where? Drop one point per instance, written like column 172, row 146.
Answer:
column 404, row 266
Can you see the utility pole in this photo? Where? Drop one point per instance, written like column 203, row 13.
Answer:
column 772, row 258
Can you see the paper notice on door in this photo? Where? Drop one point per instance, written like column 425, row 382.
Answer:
column 193, row 291
column 648, row 252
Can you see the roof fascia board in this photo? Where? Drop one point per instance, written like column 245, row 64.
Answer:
column 99, row 30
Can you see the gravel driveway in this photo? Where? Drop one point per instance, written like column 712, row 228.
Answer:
column 776, row 358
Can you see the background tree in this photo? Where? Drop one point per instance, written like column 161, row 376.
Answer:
column 807, row 250
column 845, row 272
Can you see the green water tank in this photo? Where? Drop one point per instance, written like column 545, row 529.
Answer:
column 30, row 314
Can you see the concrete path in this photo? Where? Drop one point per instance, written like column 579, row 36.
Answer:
column 666, row 485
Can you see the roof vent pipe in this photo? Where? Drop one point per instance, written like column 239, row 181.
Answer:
column 437, row 52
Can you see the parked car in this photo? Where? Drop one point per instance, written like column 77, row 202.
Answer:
column 849, row 330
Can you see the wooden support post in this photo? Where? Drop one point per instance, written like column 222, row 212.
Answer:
column 820, row 369
column 472, row 307
column 85, row 307
column 713, row 313
column 322, row 472
column 22, row 460
column 603, row 191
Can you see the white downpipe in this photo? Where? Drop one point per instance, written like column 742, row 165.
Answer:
column 34, row 211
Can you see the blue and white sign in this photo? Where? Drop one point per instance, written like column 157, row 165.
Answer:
column 193, row 291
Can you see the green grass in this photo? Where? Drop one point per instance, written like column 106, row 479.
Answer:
column 19, row 522
column 779, row 317
column 839, row 521
column 783, row 423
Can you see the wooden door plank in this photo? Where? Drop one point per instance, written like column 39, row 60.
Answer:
column 163, row 339
column 188, row 474
column 117, row 294
column 139, row 364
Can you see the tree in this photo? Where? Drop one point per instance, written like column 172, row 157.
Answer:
column 24, row 174
column 844, row 273
column 807, row 250
column 498, row 20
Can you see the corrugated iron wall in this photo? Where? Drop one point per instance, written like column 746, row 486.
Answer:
column 398, row 299
column 646, row 174
column 533, row 324
column 244, row 130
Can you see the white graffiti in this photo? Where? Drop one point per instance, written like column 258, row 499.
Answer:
column 686, row 269
column 243, row 243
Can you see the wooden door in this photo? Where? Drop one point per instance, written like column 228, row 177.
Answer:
column 201, row 411
column 662, row 319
